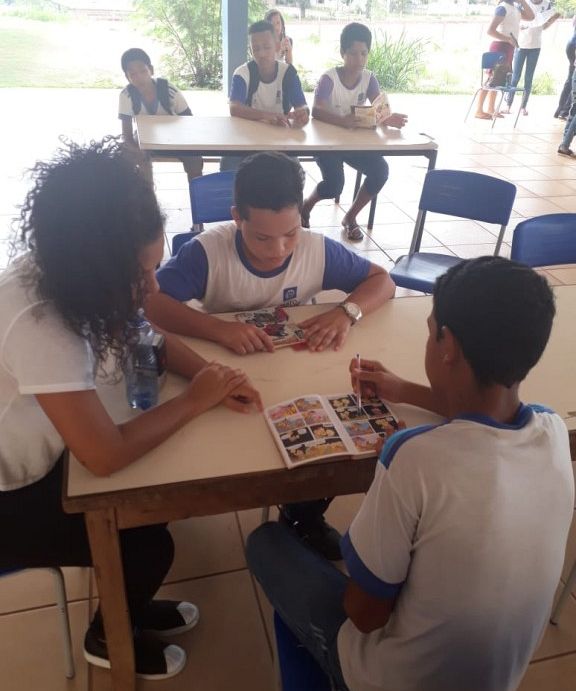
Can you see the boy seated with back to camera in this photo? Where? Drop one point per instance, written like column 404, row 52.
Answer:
column 148, row 96
column 457, row 549
column 264, row 259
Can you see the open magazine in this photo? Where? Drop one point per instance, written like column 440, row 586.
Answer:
column 274, row 321
column 317, row 428
column 372, row 115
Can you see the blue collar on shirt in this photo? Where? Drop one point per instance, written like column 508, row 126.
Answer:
column 521, row 419
column 246, row 262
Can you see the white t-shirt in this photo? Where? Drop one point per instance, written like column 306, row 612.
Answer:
column 339, row 97
column 531, row 32
column 38, row 354
column 178, row 104
column 510, row 23
column 466, row 523
column 280, row 94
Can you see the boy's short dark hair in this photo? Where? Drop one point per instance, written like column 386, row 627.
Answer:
column 268, row 180
column 133, row 54
column 355, row 32
column 260, row 27
column 501, row 314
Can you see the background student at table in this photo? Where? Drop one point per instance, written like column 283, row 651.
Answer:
column 337, row 92
column 457, row 549
column 266, row 89
column 145, row 95
column 265, row 259
column 94, row 235
column 284, row 43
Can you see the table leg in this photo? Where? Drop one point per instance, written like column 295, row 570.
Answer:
column 421, row 218
column 106, row 556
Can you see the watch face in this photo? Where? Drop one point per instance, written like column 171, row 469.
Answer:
column 352, row 310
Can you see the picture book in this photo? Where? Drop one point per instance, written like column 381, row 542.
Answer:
column 372, row 115
column 274, row 321
column 317, row 428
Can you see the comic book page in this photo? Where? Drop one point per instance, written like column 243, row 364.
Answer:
column 374, row 114
column 274, row 321
column 315, row 428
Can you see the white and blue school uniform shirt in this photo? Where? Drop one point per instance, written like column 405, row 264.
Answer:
column 466, row 522
column 269, row 96
column 214, row 269
column 339, row 97
column 178, row 104
column 511, row 13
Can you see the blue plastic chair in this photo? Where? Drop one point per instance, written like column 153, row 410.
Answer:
column 488, row 62
column 299, row 671
column 211, row 197
column 62, row 606
column 457, row 193
column 545, row 240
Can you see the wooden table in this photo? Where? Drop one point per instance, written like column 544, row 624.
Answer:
column 224, row 461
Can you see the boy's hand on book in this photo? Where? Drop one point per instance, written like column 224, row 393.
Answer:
column 327, row 330
column 212, row 384
column 375, row 380
column 244, row 339
column 395, row 120
column 244, row 399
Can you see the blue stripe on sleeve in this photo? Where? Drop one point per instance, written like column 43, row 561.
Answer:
column 395, row 441
column 500, row 11
column 185, row 276
column 362, row 575
column 295, row 93
column 238, row 90
column 343, row 269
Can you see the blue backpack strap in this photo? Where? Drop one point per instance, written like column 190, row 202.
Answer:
column 287, row 80
column 254, row 77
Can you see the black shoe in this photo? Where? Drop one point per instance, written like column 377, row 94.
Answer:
column 316, row 534
column 154, row 659
column 168, row 617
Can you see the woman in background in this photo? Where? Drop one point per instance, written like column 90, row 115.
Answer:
column 284, row 42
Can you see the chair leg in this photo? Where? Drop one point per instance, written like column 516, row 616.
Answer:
column 337, row 200
column 497, row 109
column 517, row 116
column 564, row 595
column 65, row 620
column 471, row 104
column 372, row 213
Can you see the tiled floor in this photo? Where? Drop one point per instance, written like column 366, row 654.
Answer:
column 231, row 647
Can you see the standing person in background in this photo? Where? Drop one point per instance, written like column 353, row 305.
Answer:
column 565, row 100
column 528, row 51
column 285, row 43
column 504, row 29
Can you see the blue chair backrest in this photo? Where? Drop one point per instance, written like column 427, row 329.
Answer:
column 545, row 240
column 491, row 59
column 468, row 195
column 211, row 197
column 180, row 238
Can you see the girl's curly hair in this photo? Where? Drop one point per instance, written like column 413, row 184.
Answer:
column 85, row 220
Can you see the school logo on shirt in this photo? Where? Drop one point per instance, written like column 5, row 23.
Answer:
column 290, row 294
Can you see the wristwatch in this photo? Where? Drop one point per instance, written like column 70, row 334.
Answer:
column 353, row 311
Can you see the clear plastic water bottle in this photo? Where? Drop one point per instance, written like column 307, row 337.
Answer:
column 145, row 363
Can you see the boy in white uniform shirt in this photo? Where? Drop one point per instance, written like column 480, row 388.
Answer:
column 457, row 549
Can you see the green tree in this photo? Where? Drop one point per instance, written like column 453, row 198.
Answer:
column 191, row 30
column 567, row 8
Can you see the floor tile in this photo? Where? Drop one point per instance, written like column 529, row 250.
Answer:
column 520, row 173
column 564, row 203
column 33, row 653
column 228, row 649
column 558, row 172
column 35, row 588
column 460, row 232
column 557, row 674
column 561, row 638
column 565, row 275
column 549, row 188
column 399, row 235
column 536, row 206
column 206, row 545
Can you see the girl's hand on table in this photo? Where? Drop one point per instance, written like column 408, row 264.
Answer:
column 244, row 399
column 212, row 384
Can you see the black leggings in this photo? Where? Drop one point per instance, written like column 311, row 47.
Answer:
column 35, row 531
column 332, row 166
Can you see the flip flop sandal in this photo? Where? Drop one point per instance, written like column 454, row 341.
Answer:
column 483, row 116
column 353, row 232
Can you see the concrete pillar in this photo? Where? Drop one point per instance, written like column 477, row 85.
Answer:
column 234, row 38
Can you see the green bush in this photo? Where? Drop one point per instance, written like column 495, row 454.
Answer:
column 38, row 10
column 397, row 63
column 191, row 30
column 543, row 85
